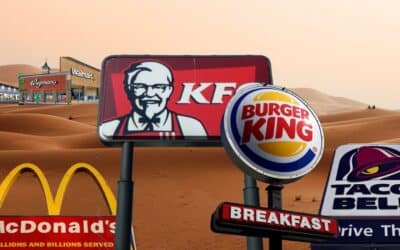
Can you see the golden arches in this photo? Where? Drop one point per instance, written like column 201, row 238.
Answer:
column 14, row 174
column 54, row 203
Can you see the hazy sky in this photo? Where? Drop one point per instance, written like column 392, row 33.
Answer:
column 343, row 48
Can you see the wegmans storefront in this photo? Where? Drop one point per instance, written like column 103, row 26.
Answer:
column 76, row 81
column 46, row 88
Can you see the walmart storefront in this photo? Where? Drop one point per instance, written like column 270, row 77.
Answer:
column 75, row 81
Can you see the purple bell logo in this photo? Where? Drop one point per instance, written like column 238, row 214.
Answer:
column 372, row 162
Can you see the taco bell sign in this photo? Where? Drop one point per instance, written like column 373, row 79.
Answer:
column 364, row 181
column 363, row 194
column 172, row 99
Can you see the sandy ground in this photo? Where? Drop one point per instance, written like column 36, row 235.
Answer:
column 176, row 189
column 9, row 73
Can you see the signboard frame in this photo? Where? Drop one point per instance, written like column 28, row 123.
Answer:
column 361, row 231
column 34, row 87
column 55, row 231
column 187, row 141
column 246, row 116
column 125, row 184
column 232, row 226
column 349, row 148
column 248, row 158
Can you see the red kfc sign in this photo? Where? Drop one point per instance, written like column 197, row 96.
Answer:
column 172, row 99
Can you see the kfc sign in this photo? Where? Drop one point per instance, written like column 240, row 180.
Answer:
column 172, row 99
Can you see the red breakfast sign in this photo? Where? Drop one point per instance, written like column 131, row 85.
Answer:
column 57, row 232
column 258, row 221
column 172, row 99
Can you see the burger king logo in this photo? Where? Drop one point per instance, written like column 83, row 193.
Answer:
column 272, row 134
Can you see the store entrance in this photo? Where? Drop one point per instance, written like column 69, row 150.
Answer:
column 77, row 94
column 37, row 97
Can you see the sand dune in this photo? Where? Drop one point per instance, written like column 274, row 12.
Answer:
column 176, row 189
column 357, row 114
column 390, row 141
column 85, row 113
column 84, row 140
column 9, row 73
column 325, row 104
column 362, row 130
column 19, row 141
column 40, row 124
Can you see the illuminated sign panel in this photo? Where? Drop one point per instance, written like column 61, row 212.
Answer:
column 363, row 194
column 257, row 221
column 55, row 231
column 60, row 232
column 172, row 99
column 81, row 73
column 364, row 181
column 45, row 83
column 272, row 134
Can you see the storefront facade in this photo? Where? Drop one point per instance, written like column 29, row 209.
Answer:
column 76, row 82
column 46, row 88
column 8, row 93
column 85, row 79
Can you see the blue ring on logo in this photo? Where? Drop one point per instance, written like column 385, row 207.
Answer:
column 275, row 166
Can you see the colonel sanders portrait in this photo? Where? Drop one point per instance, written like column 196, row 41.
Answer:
column 148, row 86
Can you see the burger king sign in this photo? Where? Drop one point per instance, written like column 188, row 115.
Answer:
column 272, row 134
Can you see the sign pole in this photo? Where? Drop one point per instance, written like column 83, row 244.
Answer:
column 275, row 202
column 125, row 197
column 251, row 197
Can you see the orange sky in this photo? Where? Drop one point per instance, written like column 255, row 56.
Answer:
column 343, row 48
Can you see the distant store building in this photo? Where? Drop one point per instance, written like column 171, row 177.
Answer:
column 8, row 93
column 76, row 81
column 85, row 79
column 45, row 88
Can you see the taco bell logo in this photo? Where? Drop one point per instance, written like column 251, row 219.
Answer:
column 274, row 132
column 364, row 179
column 370, row 163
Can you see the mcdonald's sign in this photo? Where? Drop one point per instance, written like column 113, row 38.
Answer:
column 55, row 231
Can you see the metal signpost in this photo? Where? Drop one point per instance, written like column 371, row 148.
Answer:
column 275, row 201
column 363, row 193
column 274, row 136
column 165, row 100
column 124, row 199
column 251, row 197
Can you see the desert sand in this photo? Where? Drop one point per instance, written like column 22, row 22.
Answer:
column 9, row 73
column 176, row 189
